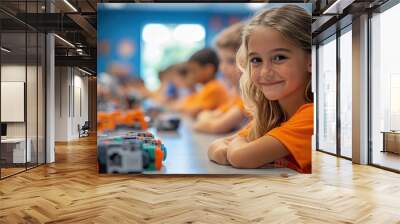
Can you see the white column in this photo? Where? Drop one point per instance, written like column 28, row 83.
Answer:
column 360, row 90
column 50, row 100
column 50, row 92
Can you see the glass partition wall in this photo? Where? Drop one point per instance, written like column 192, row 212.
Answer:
column 385, row 89
column 334, row 94
column 334, row 89
column 22, row 76
column 345, row 93
column 326, row 95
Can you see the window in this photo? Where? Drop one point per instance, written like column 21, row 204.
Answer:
column 346, row 93
column 385, row 89
column 166, row 44
column 327, row 95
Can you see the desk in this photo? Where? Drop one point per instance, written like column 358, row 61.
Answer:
column 17, row 150
column 187, row 154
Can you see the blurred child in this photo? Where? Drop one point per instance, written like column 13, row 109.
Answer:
column 203, row 67
column 136, row 85
column 183, row 87
column 228, row 116
column 183, row 82
column 275, row 57
column 162, row 94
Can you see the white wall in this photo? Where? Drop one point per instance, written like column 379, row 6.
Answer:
column 61, row 104
column 80, row 115
column 33, row 126
column 70, row 84
column 17, row 73
column 13, row 73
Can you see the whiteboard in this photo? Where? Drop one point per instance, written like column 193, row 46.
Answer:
column 12, row 101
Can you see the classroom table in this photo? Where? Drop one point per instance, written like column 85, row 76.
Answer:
column 187, row 154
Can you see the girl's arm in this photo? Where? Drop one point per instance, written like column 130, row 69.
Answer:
column 210, row 115
column 221, row 124
column 254, row 154
column 192, row 111
column 217, row 151
column 207, row 114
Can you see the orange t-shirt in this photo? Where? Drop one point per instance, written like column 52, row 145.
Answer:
column 188, row 100
column 239, row 103
column 295, row 134
column 244, row 132
column 212, row 95
column 236, row 101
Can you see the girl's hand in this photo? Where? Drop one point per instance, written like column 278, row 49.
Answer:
column 208, row 115
column 217, row 151
column 200, row 125
column 205, row 115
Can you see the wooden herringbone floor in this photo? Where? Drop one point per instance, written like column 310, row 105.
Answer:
column 71, row 191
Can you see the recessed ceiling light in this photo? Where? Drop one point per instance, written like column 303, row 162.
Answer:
column 338, row 6
column 70, row 5
column 84, row 71
column 64, row 40
column 5, row 50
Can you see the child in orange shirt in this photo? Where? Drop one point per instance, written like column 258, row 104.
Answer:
column 275, row 57
column 230, row 115
column 203, row 66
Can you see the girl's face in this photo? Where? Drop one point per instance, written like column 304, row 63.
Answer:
column 277, row 67
column 227, row 65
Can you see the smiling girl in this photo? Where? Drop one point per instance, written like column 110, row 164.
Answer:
column 275, row 58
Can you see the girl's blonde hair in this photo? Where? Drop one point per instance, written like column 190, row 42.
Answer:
column 294, row 23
